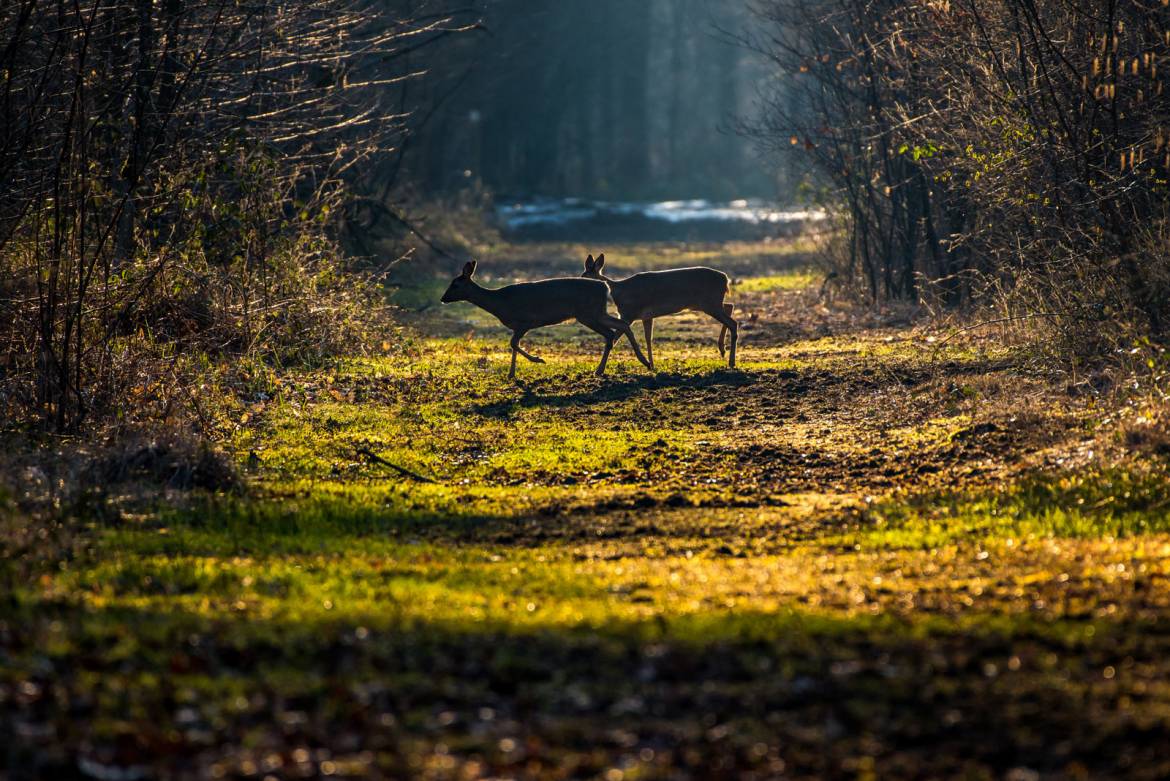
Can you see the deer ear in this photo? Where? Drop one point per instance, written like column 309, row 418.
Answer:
column 601, row 260
column 589, row 263
column 469, row 269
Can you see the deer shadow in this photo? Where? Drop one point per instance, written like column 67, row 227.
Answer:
column 615, row 390
column 782, row 382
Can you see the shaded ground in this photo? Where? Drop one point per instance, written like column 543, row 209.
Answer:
column 868, row 552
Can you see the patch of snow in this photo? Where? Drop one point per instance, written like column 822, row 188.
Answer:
column 562, row 212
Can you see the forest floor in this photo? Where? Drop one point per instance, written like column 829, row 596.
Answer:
column 870, row 551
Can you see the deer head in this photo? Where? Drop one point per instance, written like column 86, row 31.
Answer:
column 593, row 267
column 461, row 285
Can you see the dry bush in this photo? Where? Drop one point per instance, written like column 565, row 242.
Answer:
column 1013, row 155
column 172, row 180
column 65, row 477
column 1148, row 438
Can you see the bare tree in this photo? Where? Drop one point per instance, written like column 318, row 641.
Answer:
column 160, row 161
column 1014, row 148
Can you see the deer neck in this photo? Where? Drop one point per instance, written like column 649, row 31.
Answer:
column 486, row 299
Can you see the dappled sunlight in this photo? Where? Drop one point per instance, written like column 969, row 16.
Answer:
column 1047, row 584
column 867, row 525
column 446, row 645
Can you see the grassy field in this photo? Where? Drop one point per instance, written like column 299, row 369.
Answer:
column 867, row 552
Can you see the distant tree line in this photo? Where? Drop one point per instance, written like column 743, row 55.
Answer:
column 605, row 98
column 1008, row 149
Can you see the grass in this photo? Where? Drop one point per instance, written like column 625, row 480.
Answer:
column 1087, row 504
column 793, row 279
column 851, row 548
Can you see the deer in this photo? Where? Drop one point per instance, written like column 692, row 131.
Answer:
column 652, row 294
column 528, row 305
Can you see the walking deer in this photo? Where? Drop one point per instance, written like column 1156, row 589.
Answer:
column 528, row 305
column 653, row 294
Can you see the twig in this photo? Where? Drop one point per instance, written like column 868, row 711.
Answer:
column 372, row 456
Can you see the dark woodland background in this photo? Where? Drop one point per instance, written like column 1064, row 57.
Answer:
column 606, row 100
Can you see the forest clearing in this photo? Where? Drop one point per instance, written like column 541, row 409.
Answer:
column 875, row 549
column 590, row 390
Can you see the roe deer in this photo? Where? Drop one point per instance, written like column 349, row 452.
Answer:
column 530, row 305
column 653, row 294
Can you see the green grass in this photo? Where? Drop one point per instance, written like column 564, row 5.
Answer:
column 794, row 279
column 1086, row 504
column 815, row 564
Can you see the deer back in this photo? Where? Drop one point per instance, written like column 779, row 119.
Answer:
column 655, row 293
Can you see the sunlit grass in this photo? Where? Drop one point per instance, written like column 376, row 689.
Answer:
column 380, row 583
column 559, row 533
column 1089, row 504
column 795, row 279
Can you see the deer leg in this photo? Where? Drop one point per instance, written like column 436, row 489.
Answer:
column 621, row 326
column 533, row 358
column 648, row 330
column 609, row 339
column 729, row 323
column 516, row 337
column 723, row 331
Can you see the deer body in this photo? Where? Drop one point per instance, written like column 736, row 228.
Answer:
column 528, row 305
column 652, row 294
column 537, row 304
